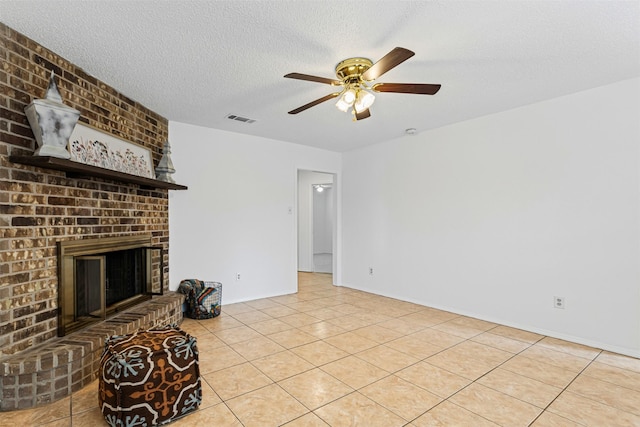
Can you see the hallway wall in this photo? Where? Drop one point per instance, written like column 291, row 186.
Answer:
column 239, row 213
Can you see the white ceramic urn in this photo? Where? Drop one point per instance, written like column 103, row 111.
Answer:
column 52, row 122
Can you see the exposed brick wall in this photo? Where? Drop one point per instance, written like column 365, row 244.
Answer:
column 39, row 207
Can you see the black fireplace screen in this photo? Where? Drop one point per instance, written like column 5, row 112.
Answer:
column 89, row 286
column 125, row 275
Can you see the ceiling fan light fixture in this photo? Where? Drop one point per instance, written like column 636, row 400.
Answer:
column 342, row 106
column 346, row 100
column 355, row 75
column 349, row 96
column 364, row 100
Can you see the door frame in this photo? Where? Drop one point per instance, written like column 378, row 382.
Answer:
column 308, row 200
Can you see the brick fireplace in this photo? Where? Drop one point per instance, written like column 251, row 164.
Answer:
column 98, row 278
column 40, row 207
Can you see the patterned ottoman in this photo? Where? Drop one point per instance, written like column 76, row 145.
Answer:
column 149, row 377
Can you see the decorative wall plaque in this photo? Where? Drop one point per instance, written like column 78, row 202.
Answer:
column 97, row 148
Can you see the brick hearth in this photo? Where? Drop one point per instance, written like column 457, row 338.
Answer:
column 64, row 365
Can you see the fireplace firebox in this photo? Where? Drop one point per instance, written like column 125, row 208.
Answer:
column 103, row 276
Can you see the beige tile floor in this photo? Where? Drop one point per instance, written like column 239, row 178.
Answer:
column 340, row 357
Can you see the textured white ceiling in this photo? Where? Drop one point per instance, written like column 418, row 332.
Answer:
column 197, row 61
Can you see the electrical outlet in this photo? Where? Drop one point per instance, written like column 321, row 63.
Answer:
column 237, row 276
column 370, row 271
column 558, row 302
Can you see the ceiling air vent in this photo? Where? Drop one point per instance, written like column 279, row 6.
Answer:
column 240, row 119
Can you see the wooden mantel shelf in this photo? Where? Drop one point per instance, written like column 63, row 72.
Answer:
column 72, row 167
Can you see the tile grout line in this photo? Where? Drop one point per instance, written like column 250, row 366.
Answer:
column 565, row 389
column 483, row 375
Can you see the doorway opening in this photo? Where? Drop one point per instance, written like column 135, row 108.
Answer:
column 316, row 222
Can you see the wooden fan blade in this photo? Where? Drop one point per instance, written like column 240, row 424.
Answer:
column 417, row 88
column 309, row 78
column 314, row 103
column 392, row 59
column 363, row 115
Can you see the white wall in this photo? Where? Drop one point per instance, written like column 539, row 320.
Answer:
column 238, row 215
column 322, row 221
column 495, row 216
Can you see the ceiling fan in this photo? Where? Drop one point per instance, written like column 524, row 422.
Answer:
column 355, row 76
